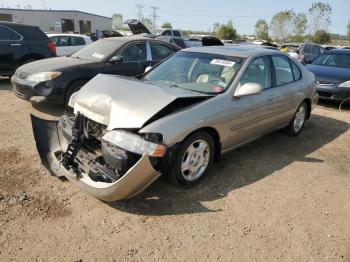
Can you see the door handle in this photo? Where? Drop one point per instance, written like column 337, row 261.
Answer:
column 16, row 44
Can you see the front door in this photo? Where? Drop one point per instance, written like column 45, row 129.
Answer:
column 134, row 61
column 252, row 116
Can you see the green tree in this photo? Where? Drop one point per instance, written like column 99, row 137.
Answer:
column 262, row 29
column 320, row 16
column 167, row 25
column 299, row 24
column 226, row 31
column 282, row 24
column 321, row 37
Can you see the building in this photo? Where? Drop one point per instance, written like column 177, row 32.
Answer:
column 59, row 21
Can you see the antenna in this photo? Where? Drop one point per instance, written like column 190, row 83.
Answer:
column 139, row 13
column 154, row 15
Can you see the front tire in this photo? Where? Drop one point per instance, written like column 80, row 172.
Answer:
column 297, row 124
column 193, row 160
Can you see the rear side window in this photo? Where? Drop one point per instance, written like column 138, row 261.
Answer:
column 283, row 70
column 135, row 53
column 296, row 71
column 177, row 33
column 159, row 51
column 32, row 33
column 75, row 41
column 60, row 40
column 167, row 33
column 7, row 34
column 316, row 50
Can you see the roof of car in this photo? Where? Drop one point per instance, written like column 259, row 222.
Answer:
column 339, row 51
column 15, row 24
column 239, row 51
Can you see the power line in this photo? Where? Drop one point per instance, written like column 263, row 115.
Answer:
column 139, row 13
column 154, row 15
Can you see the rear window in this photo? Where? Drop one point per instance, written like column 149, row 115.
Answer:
column 8, row 34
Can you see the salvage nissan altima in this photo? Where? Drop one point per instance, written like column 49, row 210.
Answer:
column 175, row 120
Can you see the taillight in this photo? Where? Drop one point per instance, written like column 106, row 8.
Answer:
column 52, row 47
column 301, row 58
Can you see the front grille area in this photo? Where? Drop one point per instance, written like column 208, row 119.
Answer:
column 324, row 94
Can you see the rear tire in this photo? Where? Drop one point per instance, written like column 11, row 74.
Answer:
column 194, row 158
column 72, row 88
column 297, row 124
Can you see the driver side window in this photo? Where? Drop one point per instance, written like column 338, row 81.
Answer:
column 135, row 53
column 259, row 72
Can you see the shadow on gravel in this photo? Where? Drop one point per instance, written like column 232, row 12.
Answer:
column 53, row 110
column 5, row 84
column 237, row 169
column 334, row 105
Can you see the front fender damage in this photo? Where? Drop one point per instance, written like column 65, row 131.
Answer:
column 51, row 141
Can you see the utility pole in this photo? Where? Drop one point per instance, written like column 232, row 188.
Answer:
column 139, row 13
column 154, row 15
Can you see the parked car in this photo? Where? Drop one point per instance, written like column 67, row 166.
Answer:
column 291, row 49
column 54, row 80
column 332, row 72
column 307, row 52
column 67, row 44
column 21, row 44
column 175, row 120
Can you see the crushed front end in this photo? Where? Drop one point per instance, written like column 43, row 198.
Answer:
column 110, row 165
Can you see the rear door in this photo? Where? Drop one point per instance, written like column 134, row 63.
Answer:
column 287, row 82
column 10, row 45
column 135, row 60
column 159, row 52
column 62, row 44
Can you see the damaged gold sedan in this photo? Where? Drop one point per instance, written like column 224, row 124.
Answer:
column 175, row 120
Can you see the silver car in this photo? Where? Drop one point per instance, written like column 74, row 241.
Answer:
column 175, row 120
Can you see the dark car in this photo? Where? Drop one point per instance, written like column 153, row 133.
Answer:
column 308, row 52
column 332, row 73
column 54, row 80
column 21, row 44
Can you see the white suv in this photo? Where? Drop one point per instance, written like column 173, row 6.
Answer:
column 67, row 44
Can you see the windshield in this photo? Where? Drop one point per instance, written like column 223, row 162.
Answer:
column 99, row 50
column 336, row 60
column 200, row 72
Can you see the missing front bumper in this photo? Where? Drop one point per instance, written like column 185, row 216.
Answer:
column 50, row 140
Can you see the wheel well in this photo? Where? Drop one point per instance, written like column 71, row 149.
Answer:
column 216, row 137
column 72, row 83
column 308, row 103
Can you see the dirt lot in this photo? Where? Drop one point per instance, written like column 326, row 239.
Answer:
column 276, row 199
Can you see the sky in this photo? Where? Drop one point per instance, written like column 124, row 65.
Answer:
column 196, row 15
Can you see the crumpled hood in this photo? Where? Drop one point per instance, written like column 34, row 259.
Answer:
column 121, row 102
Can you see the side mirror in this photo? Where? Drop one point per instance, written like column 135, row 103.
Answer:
column 116, row 59
column 148, row 68
column 248, row 89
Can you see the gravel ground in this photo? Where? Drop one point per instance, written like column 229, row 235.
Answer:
column 276, row 199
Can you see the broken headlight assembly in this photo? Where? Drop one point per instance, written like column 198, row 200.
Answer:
column 135, row 143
